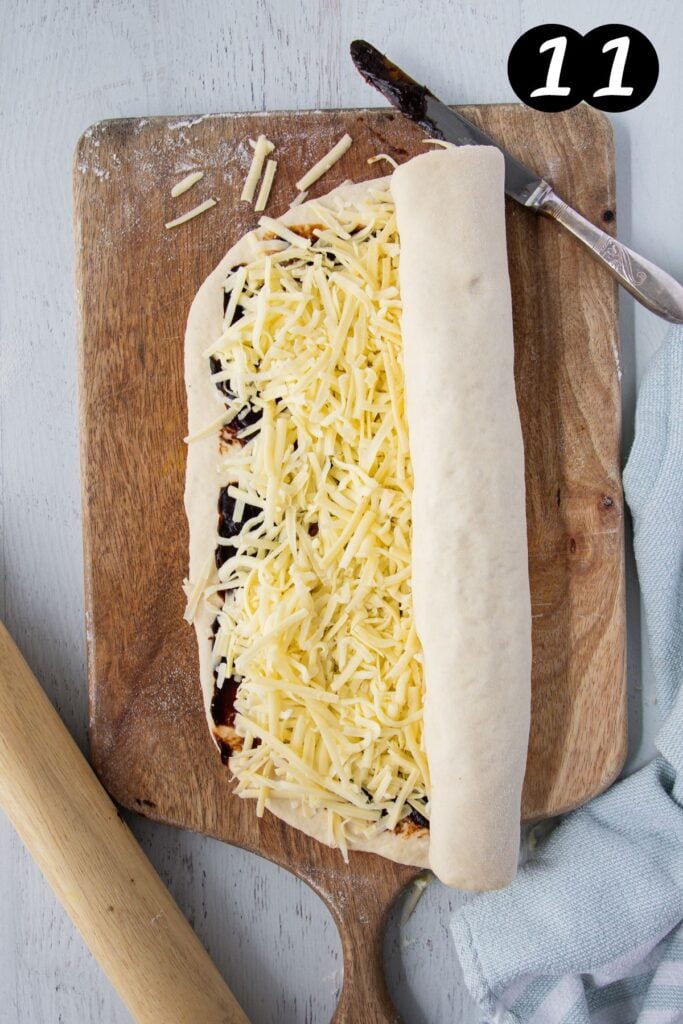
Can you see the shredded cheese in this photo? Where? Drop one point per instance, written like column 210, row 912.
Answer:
column 382, row 156
column 438, row 142
column 223, row 420
column 195, row 591
column 262, row 148
column 298, row 199
column 284, row 232
column 195, row 212
column 314, row 607
column 266, row 185
column 186, row 183
column 323, row 165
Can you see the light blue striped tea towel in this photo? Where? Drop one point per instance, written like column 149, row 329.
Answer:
column 591, row 929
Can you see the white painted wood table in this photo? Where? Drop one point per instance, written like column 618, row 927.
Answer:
column 63, row 65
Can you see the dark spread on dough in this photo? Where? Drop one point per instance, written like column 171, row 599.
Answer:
column 227, row 526
column 223, row 702
column 222, row 385
column 368, row 794
column 307, row 230
column 223, row 714
column 412, row 823
column 408, row 827
column 330, row 256
column 239, row 309
column 302, row 230
column 248, row 414
column 418, row 819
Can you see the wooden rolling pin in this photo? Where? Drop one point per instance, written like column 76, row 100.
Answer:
column 94, row 865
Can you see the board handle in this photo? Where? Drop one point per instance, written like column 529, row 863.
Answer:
column 91, row 860
column 359, row 897
column 364, row 995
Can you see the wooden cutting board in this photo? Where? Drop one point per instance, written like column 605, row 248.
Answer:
column 136, row 280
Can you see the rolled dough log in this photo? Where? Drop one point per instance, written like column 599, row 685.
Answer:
column 469, row 553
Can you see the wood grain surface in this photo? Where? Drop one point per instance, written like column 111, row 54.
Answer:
column 136, row 281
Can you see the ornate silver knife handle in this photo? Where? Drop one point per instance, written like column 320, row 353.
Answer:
column 649, row 284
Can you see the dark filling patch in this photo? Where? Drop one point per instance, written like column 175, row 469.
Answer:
column 227, row 527
column 306, row 230
column 330, row 256
column 222, row 385
column 368, row 794
column 223, row 709
column 239, row 309
column 246, row 417
column 415, row 819
column 223, row 702
column 418, row 819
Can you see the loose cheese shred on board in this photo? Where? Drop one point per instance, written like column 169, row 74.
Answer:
column 313, row 608
column 382, row 156
column 261, row 150
column 186, row 183
column 266, row 185
column 324, row 164
column 202, row 208
column 438, row 142
column 298, row 199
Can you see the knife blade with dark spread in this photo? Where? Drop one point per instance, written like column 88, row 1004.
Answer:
column 649, row 284
column 404, row 92
column 437, row 119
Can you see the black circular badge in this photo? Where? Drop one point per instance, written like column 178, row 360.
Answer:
column 544, row 68
column 553, row 67
column 620, row 67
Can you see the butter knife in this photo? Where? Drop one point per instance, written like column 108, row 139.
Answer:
column 650, row 285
